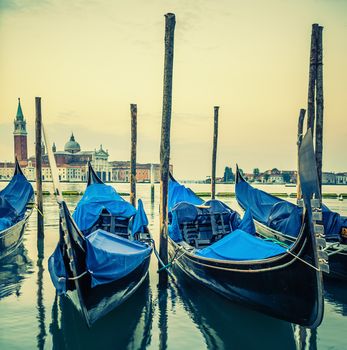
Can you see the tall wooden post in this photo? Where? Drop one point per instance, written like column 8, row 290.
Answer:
column 152, row 183
column 38, row 156
column 214, row 152
column 133, row 110
column 320, row 106
column 299, row 139
column 312, row 79
column 170, row 22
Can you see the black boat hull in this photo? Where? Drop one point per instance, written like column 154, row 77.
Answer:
column 283, row 287
column 337, row 259
column 12, row 237
column 102, row 299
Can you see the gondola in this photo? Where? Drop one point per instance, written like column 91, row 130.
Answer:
column 104, row 250
column 209, row 243
column 15, row 209
column 280, row 219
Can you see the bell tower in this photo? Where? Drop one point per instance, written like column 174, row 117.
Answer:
column 20, row 137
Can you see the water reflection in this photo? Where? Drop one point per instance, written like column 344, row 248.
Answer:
column 306, row 339
column 41, row 336
column 128, row 327
column 335, row 293
column 163, row 317
column 13, row 270
column 225, row 325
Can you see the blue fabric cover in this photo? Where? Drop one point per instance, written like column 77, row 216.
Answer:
column 183, row 204
column 240, row 245
column 96, row 198
column 140, row 220
column 57, row 271
column 282, row 215
column 180, row 193
column 247, row 223
column 13, row 201
column 110, row 257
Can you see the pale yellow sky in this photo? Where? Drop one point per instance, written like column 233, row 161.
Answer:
column 89, row 60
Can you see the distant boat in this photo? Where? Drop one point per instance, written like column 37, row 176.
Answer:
column 103, row 252
column 14, row 211
column 209, row 243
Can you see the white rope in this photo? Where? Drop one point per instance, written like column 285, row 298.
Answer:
column 73, row 278
column 302, row 260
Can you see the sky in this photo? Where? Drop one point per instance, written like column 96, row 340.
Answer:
column 88, row 60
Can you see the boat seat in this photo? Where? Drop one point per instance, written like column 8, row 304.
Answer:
column 206, row 229
column 112, row 224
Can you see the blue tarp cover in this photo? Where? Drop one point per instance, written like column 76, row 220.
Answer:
column 57, row 271
column 179, row 193
column 110, row 257
column 282, row 215
column 184, row 212
column 140, row 219
column 96, row 198
column 240, row 245
column 13, row 201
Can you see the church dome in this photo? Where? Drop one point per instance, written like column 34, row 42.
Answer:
column 72, row 146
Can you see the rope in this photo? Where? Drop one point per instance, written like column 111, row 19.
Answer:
column 273, row 240
column 160, row 261
column 39, row 211
column 73, row 278
column 302, row 260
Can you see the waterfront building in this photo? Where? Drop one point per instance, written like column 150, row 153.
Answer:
column 341, row 179
column 20, row 137
column 72, row 162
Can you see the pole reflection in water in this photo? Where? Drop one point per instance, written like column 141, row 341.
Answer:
column 162, row 322
column 127, row 327
column 13, row 270
column 41, row 337
column 306, row 339
column 225, row 325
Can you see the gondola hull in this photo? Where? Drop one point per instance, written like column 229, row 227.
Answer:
column 12, row 237
column 337, row 258
column 102, row 299
column 273, row 286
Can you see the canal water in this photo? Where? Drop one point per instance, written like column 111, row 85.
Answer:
column 185, row 316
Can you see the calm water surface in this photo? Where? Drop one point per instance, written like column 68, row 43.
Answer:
column 185, row 316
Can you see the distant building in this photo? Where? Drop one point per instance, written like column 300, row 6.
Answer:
column 72, row 162
column 341, row 179
column 121, row 171
column 328, row 178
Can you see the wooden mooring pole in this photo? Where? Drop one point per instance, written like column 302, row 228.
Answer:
column 214, row 152
column 319, row 106
column 38, row 156
column 312, row 79
column 133, row 110
column 299, row 139
column 170, row 22
column 152, row 183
